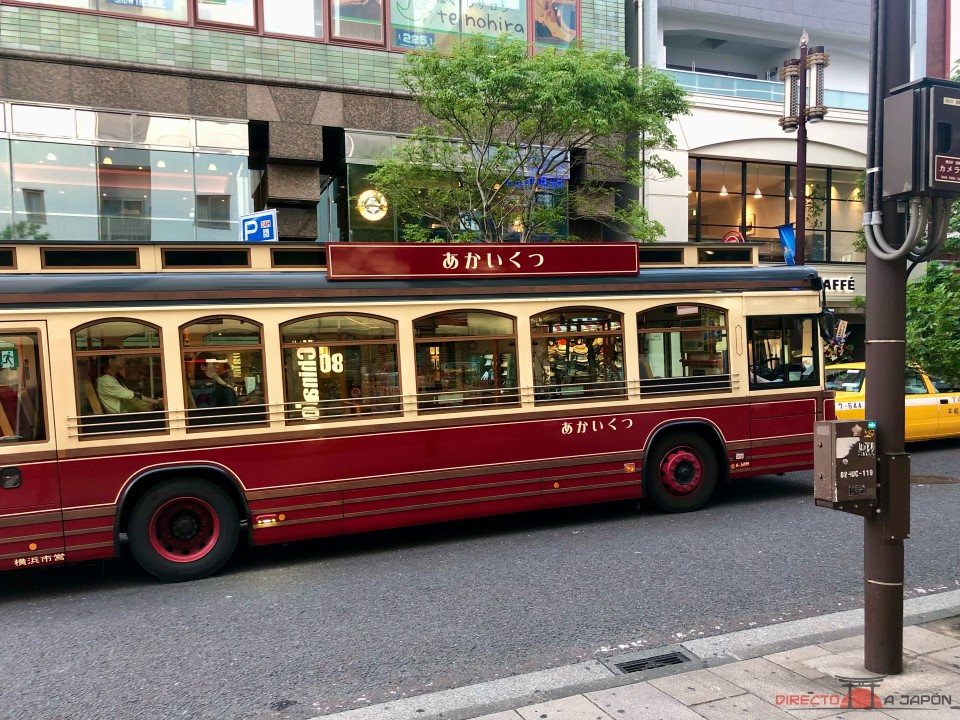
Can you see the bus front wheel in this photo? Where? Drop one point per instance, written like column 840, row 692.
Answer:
column 681, row 472
column 183, row 530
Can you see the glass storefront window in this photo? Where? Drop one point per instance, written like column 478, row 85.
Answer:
column 6, row 193
column 108, row 127
column 48, row 121
column 145, row 195
column 223, row 135
column 62, row 180
column 169, row 131
column 357, row 20
column 338, row 366
column 175, row 10
column 223, row 194
column 371, row 214
column 421, row 25
column 555, row 23
column 226, row 12
column 757, row 207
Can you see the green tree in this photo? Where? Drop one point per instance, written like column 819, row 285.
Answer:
column 516, row 119
column 23, row 230
column 933, row 323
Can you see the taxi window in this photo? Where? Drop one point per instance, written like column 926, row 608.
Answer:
column 913, row 383
column 944, row 386
column 846, row 380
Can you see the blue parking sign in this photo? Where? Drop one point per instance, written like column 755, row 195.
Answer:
column 259, row 227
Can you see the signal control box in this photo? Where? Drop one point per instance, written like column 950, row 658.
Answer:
column 845, row 465
column 921, row 140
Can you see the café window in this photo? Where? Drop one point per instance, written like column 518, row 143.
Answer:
column 223, row 372
column 359, row 20
column 466, row 357
column 683, row 348
column 226, row 12
column 119, row 377
column 782, row 351
column 577, row 354
column 340, row 367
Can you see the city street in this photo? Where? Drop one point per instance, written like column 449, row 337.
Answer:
column 299, row 631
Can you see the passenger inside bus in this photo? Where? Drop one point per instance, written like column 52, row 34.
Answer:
column 212, row 386
column 115, row 396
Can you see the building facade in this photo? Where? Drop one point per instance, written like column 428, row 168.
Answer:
column 737, row 167
column 166, row 120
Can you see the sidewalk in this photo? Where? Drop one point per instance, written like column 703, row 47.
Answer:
column 801, row 669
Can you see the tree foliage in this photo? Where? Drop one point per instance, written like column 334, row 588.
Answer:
column 516, row 119
column 933, row 321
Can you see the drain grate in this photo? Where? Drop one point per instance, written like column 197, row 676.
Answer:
column 652, row 662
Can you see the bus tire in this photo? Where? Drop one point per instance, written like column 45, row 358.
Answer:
column 183, row 530
column 681, row 472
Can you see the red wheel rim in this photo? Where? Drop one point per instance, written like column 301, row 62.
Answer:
column 184, row 529
column 681, row 472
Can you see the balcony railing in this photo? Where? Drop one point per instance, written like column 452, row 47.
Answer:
column 759, row 89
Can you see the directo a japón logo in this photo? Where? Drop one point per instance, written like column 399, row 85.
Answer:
column 861, row 694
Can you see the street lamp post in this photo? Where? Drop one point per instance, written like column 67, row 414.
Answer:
column 799, row 75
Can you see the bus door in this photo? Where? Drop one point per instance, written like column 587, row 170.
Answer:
column 31, row 521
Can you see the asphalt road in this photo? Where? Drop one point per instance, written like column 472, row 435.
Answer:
column 295, row 632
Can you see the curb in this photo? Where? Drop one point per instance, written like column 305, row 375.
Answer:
column 508, row 693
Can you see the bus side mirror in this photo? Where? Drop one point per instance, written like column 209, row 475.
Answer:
column 828, row 324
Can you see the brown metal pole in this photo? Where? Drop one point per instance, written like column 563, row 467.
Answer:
column 938, row 38
column 799, row 255
column 885, row 353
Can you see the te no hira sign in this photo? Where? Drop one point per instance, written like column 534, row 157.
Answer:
column 385, row 261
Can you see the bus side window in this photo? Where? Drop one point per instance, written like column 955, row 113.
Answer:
column 223, row 374
column 118, row 378
column 339, row 367
column 683, row 348
column 21, row 390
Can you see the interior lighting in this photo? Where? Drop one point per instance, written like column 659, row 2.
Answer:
column 161, row 164
column 211, row 167
column 51, row 157
column 108, row 160
column 756, row 193
column 723, row 179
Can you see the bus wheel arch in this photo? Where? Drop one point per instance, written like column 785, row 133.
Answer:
column 682, row 466
column 183, row 523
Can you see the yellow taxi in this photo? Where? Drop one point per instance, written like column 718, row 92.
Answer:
column 932, row 405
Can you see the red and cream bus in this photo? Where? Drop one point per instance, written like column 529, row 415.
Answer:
column 178, row 401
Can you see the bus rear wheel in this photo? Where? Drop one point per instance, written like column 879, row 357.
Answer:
column 681, row 472
column 183, row 530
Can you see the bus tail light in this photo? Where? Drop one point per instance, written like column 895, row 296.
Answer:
column 269, row 519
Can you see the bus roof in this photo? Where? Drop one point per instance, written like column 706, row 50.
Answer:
column 112, row 288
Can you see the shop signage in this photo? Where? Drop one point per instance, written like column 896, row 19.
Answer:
column 378, row 261
column 846, row 284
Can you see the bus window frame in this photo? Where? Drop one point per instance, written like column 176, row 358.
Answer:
column 615, row 393
column 807, row 380
column 425, row 405
column 288, row 404
column 99, row 352
column 41, row 407
column 681, row 384
column 197, row 414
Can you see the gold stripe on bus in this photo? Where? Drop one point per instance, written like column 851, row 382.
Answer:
column 30, row 518
column 597, row 473
column 87, row 513
column 91, row 546
column 28, row 538
column 784, row 440
column 587, row 488
column 88, row 531
column 291, row 508
column 784, row 454
column 427, row 506
column 435, row 491
column 434, row 475
column 766, row 468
